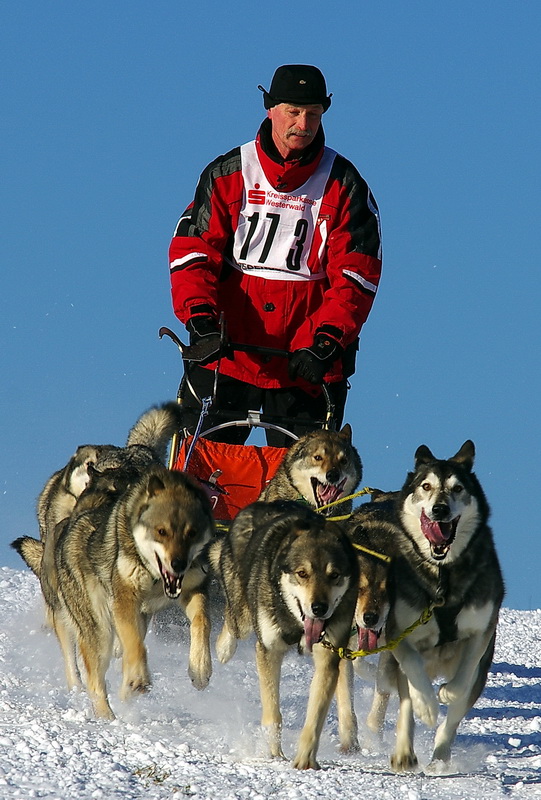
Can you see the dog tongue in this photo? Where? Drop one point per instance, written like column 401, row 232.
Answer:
column 313, row 628
column 368, row 639
column 434, row 532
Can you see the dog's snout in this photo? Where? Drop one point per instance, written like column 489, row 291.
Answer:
column 320, row 609
column 333, row 475
column 440, row 511
column 370, row 619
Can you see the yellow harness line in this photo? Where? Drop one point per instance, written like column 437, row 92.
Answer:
column 344, row 652
column 374, row 553
column 366, row 490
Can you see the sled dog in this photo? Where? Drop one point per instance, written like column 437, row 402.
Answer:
column 372, row 538
column 123, row 554
column 147, row 442
column 291, row 576
column 319, row 468
column 446, row 564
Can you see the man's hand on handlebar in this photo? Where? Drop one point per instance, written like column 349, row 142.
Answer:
column 312, row 363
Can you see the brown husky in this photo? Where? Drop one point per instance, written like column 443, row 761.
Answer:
column 126, row 553
column 319, row 468
column 290, row 575
column 373, row 546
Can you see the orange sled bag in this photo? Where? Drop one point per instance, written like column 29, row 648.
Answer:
column 233, row 474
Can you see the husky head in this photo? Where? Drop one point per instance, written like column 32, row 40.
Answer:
column 373, row 598
column 173, row 523
column 317, row 568
column 442, row 504
column 324, row 466
column 78, row 471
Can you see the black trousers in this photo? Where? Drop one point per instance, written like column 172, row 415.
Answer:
column 291, row 408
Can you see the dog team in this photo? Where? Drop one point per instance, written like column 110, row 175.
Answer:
column 412, row 575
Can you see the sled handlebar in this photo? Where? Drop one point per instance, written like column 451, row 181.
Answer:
column 190, row 352
column 190, row 355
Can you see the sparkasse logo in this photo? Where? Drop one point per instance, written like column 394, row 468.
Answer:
column 256, row 196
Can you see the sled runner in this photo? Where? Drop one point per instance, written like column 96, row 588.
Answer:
column 234, row 475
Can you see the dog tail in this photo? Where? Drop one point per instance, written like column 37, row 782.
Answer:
column 31, row 551
column 156, row 427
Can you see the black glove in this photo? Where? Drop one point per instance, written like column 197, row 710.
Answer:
column 312, row 363
column 205, row 340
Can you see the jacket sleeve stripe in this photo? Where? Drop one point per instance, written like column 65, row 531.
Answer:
column 365, row 285
column 188, row 261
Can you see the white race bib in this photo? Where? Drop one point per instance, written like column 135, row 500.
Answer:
column 276, row 229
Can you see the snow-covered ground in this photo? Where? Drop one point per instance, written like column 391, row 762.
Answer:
column 178, row 742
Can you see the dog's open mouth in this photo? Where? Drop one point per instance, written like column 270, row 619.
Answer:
column 313, row 631
column 368, row 638
column 172, row 584
column 440, row 534
column 325, row 493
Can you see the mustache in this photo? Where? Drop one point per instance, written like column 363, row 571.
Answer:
column 295, row 132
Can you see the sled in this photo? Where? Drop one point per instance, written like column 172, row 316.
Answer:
column 233, row 475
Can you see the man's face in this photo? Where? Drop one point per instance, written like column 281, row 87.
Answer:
column 294, row 127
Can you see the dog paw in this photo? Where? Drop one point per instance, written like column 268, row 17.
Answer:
column 273, row 736
column 439, row 763
column 226, row 644
column 102, row 709
column 135, row 684
column 200, row 676
column 425, row 708
column 404, row 762
column 305, row 761
column 449, row 693
column 349, row 748
column 139, row 686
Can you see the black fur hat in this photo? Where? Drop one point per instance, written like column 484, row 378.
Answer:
column 299, row 84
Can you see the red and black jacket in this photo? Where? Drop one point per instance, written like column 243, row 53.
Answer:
column 277, row 313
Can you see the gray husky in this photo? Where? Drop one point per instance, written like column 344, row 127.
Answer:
column 147, row 442
column 445, row 564
column 290, row 575
column 319, row 468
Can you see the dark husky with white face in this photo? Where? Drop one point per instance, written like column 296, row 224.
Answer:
column 444, row 563
column 442, row 504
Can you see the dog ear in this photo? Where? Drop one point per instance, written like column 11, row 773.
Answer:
column 465, row 455
column 423, row 455
column 346, row 431
column 155, row 485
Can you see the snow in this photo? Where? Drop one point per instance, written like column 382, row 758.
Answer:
column 179, row 742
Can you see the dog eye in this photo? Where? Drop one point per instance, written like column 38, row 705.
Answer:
column 301, row 573
column 334, row 576
column 191, row 533
column 426, row 486
column 458, row 488
column 318, row 458
column 161, row 532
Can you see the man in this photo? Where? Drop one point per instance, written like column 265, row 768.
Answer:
column 282, row 242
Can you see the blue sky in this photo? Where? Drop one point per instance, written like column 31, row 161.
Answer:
column 109, row 111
